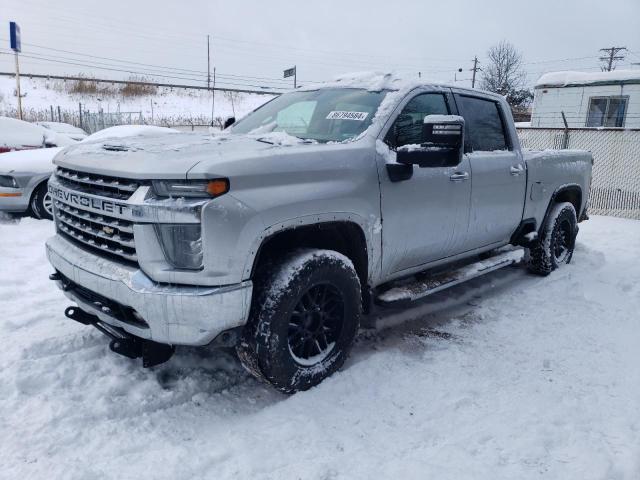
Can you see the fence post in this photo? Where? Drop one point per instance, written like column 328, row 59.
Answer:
column 565, row 140
column 80, row 112
column 51, row 107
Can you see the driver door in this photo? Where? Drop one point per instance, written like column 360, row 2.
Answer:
column 426, row 215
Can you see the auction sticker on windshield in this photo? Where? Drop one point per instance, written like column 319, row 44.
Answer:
column 342, row 115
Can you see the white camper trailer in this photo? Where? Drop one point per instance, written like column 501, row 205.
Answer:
column 588, row 100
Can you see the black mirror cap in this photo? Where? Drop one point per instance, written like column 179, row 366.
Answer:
column 228, row 122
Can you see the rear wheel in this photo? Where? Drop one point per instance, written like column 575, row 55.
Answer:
column 304, row 317
column 41, row 203
column 556, row 242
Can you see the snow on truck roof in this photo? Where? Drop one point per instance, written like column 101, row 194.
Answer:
column 372, row 81
column 576, row 79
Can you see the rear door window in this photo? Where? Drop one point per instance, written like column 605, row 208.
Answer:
column 484, row 127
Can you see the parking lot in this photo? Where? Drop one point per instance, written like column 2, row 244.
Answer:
column 509, row 376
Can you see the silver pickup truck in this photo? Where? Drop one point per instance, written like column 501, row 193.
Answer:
column 280, row 235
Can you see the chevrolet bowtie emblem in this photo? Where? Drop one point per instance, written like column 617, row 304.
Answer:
column 108, row 230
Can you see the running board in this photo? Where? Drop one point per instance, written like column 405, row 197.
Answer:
column 411, row 292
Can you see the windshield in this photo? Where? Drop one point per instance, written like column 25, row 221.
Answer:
column 331, row 114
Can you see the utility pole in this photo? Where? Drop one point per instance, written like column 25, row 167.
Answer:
column 208, row 64
column 18, row 87
column 612, row 56
column 474, row 70
column 213, row 97
column 295, row 76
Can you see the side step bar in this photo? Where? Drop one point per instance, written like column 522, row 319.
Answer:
column 411, row 292
column 130, row 346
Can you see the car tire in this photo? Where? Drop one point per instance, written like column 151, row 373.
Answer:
column 41, row 204
column 304, row 318
column 556, row 241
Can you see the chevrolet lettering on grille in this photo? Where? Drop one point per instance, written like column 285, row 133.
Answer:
column 87, row 202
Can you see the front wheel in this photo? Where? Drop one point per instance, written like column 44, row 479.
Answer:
column 556, row 242
column 304, row 317
column 42, row 203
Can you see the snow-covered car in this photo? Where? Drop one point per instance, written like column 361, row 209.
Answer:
column 19, row 135
column 74, row 133
column 24, row 173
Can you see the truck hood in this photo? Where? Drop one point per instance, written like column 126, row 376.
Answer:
column 186, row 155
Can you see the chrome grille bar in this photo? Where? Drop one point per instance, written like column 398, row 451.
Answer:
column 120, row 225
column 112, row 187
column 90, row 230
column 79, row 236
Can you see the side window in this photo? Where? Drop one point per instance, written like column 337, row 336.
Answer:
column 407, row 127
column 484, row 129
column 607, row 111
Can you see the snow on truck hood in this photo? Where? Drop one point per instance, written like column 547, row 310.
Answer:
column 168, row 156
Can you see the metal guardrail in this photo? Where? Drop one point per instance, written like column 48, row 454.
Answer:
column 137, row 82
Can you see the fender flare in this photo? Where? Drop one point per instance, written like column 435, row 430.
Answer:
column 372, row 236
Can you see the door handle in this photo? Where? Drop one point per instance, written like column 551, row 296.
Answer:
column 516, row 169
column 459, row 177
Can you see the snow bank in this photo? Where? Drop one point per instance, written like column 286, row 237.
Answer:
column 563, row 79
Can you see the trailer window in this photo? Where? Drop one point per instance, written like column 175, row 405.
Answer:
column 607, row 112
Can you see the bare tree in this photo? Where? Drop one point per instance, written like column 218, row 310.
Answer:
column 504, row 74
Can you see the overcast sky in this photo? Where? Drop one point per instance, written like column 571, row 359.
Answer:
column 253, row 41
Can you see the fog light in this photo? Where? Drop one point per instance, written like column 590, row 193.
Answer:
column 182, row 245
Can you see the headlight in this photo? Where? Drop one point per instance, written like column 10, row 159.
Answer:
column 191, row 188
column 182, row 245
column 8, row 181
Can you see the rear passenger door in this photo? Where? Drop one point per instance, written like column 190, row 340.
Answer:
column 498, row 175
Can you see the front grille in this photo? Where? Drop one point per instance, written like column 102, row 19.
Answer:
column 109, row 235
column 101, row 185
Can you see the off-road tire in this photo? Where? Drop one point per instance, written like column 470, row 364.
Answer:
column 39, row 198
column 281, row 289
column 556, row 241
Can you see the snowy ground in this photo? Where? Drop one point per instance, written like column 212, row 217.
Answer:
column 509, row 377
column 170, row 106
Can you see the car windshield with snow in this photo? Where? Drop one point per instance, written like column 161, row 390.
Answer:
column 324, row 115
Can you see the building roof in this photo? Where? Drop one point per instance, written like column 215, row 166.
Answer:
column 576, row 79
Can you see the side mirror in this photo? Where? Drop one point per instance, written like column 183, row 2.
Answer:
column 442, row 140
column 228, row 122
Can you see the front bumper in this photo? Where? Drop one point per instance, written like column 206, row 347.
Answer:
column 14, row 199
column 174, row 314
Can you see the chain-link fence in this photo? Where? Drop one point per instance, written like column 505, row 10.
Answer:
column 615, row 189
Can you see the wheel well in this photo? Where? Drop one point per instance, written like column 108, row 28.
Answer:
column 571, row 194
column 346, row 238
column 35, row 189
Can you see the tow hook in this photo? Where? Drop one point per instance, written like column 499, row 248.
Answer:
column 123, row 343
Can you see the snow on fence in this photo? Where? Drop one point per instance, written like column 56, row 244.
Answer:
column 615, row 189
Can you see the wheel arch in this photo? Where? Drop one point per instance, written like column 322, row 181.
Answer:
column 571, row 193
column 36, row 184
column 344, row 236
